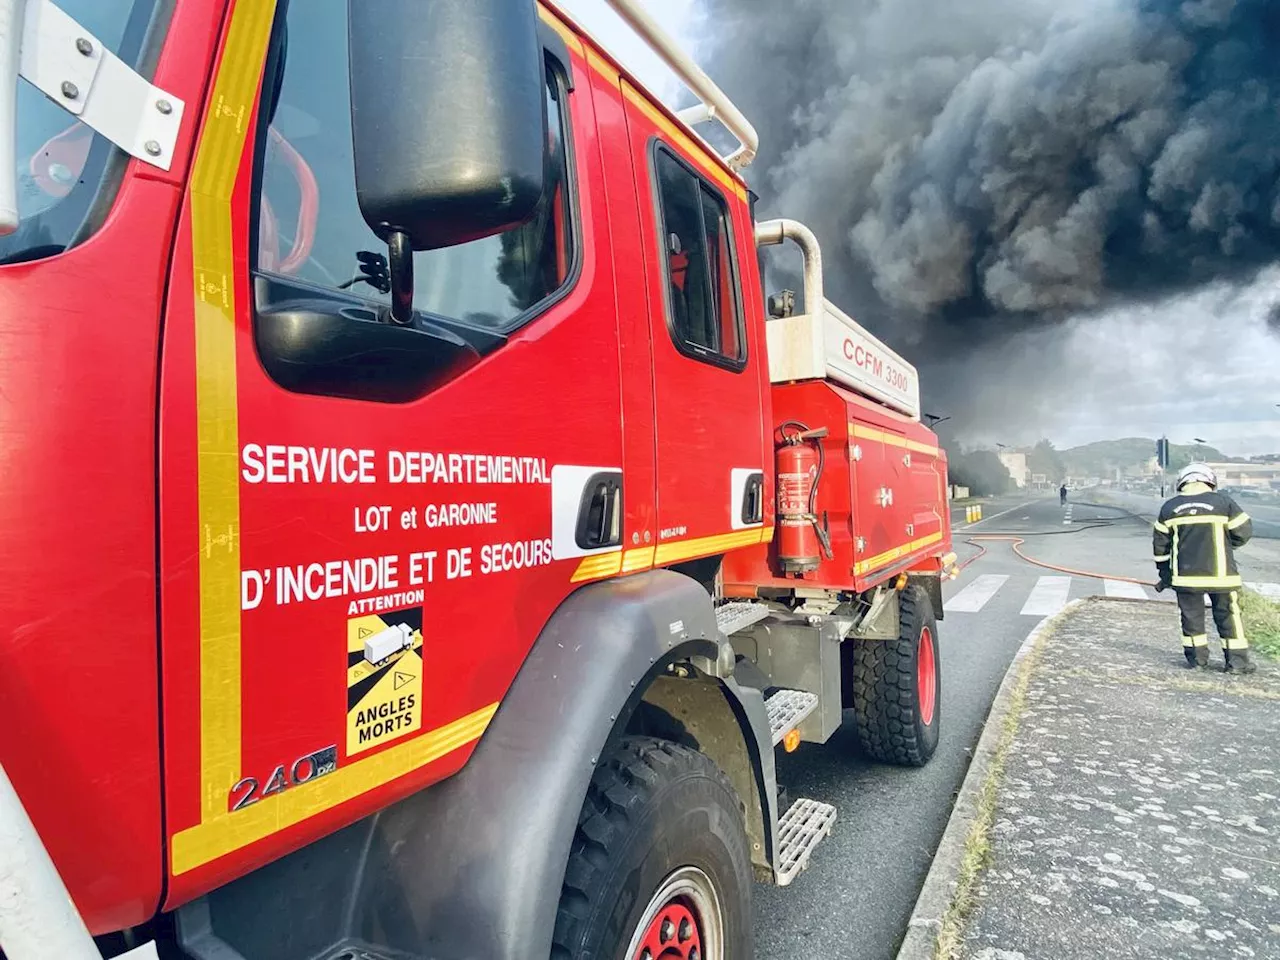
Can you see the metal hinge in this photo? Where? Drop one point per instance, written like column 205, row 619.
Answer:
column 885, row 497
column 73, row 68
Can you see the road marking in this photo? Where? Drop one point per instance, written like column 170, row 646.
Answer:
column 975, row 596
column 1048, row 596
column 1123, row 588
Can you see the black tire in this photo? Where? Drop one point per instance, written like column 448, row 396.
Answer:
column 887, row 704
column 653, row 807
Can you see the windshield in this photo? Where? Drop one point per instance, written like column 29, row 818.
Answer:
column 62, row 164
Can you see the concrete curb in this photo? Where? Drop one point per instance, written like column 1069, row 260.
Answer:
column 939, row 886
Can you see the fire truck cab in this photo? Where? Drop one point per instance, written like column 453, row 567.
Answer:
column 421, row 530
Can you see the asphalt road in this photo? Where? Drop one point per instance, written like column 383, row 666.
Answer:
column 1265, row 512
column 854, row 901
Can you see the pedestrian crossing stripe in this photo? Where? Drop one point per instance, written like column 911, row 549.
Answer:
column 1047, row 597
column 1124, row 589
column 975, row 596
column 1048, row 594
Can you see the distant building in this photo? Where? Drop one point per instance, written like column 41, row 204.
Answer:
column 1016, row 464
column 1248, row 476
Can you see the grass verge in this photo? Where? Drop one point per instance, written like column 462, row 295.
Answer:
column 1261, row 623
column 977, row 845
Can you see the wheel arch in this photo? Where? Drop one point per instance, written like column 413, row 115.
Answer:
column 718, row 718
column 473, row 867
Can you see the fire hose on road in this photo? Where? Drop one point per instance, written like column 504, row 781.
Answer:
column 1017, row 543
column 1017, row 540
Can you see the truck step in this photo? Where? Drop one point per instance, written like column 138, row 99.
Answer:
column 732, row 617
column 801, row 829
column 786, row 709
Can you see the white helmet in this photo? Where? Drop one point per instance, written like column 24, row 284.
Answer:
column 1197, row 473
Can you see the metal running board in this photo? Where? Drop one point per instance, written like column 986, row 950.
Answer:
column 787, row 708
column 801, row 829
column 732, row 617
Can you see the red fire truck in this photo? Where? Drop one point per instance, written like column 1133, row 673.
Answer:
column 420, row 530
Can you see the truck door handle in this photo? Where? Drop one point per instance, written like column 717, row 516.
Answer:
column 600, row 512
column 753, row 499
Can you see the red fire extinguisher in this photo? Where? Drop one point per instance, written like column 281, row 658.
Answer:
column 800, row 460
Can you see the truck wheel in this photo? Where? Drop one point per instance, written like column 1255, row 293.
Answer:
column 659, row 868
column 897, row 687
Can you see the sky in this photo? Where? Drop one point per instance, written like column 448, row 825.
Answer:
column 1199, row 365
column 1204, row 363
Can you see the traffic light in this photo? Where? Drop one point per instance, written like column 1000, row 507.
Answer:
column 1162, row 452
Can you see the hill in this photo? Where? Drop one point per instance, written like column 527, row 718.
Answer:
column 1105, row 456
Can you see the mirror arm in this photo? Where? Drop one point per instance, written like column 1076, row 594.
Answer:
column 400, row 262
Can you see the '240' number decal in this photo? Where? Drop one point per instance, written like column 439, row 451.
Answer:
column 306, row 768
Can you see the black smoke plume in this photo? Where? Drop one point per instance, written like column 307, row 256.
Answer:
column 974, row 167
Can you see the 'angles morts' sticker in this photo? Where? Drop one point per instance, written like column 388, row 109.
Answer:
column 384, row 677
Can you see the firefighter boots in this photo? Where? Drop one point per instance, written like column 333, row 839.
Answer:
column 1197, row 657
column 1239, row 661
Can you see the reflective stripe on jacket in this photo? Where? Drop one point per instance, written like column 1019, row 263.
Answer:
column 1197, row 533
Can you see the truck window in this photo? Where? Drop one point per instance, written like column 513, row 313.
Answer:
column 62, row 164
column 703, row 310
column 309, row 223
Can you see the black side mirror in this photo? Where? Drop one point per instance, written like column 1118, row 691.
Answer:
column 448, row 116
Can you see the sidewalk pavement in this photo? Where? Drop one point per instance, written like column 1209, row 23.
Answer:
column 1118, row 805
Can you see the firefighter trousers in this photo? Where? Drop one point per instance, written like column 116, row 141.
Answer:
column 1226, row 615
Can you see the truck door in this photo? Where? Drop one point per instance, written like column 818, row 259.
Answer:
column 707, row 352
column 364, row 525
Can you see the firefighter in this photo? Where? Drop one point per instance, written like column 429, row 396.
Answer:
column 1194, row 543
column 1062, row 495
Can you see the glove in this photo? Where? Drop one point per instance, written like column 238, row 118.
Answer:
column 1164, row 579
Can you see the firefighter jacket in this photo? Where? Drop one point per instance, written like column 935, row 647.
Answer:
column 1196, row 535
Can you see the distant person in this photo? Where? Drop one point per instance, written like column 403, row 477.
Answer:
column 1062, row 495
column 1194, row 542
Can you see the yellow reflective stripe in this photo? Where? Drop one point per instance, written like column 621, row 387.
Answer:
column 1203, row 518
column 886, row 558
column 213, row 180
column 1159, row 525
column 555, row 23
column 893, row 439
column 1164, row 558
column 1199, row 641
column 602, row 67
column 229, row 832
column 1220, row 551
column 1239, row 641
column 1240, row 520
column 598, row 565
column 678, row 550
column 1209, row 583
column 640, row 558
